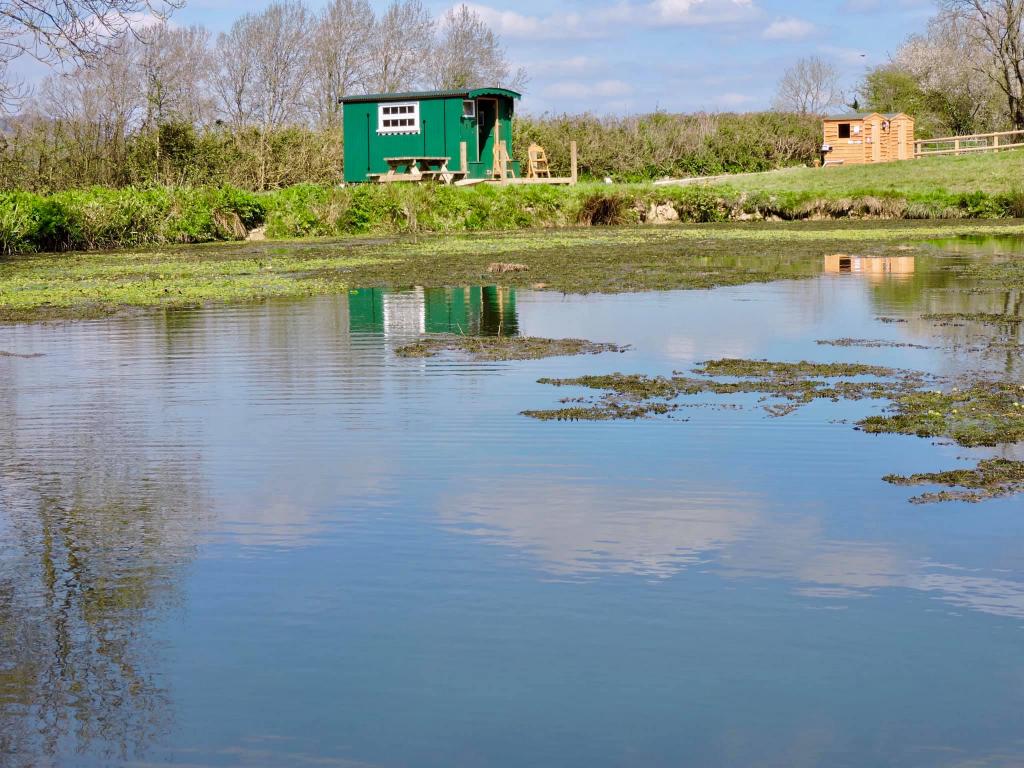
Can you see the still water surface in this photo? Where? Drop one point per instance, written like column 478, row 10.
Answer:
column 253, row 536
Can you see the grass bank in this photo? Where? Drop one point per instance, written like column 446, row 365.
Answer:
column 944, row 176
column 985, row 186
column 581, row 260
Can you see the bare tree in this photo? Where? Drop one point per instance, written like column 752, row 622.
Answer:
column 402, row 41
column 469, row 54
column 263, row 67
column 997, row 26
column 234, row 67
column 809, row 87
column 173, row 63
column 96, row 109
column 69, row 30
column 954, row 75
column 339, row 56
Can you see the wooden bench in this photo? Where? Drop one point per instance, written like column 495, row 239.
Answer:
column 417, row 169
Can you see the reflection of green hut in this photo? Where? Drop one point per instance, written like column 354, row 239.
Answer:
column 473, row 311
column 366, row 310
column 487, row 311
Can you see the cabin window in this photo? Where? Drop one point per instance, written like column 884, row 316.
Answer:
column 844, row 130
column 469, row 108
column 399, row 118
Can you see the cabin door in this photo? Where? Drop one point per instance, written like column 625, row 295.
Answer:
column 486, row 121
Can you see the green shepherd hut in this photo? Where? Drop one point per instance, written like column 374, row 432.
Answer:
column 445, row 135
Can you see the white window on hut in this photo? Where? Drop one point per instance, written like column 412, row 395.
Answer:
column 399, row 118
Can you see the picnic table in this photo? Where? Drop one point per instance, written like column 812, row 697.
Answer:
column 417, row 169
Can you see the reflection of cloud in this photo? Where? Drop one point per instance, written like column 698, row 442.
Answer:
column 586, row 528
column 270, row 514
column 829, row 568
column 1000, row 597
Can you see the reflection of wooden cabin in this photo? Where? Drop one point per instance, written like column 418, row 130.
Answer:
column 873, row 138
column 875, row 268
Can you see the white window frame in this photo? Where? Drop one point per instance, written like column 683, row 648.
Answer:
column 396, row 117
column 469, row 109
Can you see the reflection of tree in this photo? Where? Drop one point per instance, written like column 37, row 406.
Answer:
column 93, row 537
column 908, row 290
column 935, row 289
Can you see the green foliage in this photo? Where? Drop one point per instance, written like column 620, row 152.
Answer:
column 48, row 156
column 938, row 112
column 637, row 149
column 979, row 187
column 99, row 217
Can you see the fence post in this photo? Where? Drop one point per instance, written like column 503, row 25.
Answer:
column 995, row 143
column 572, row 161
column 956, row 146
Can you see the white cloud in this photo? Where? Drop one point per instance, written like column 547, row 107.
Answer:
column 601, row 21
column 603, row 89
column 733, row 100
column 700, row 12
column 574, row 66
column 513, row 24
column 788, row 29
column 846, row 56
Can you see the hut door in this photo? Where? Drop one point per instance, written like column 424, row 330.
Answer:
column 486, row 119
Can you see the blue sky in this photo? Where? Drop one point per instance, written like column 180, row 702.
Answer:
column 622, row 56
column 627, row 56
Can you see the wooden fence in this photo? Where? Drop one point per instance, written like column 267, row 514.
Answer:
column 960, row 145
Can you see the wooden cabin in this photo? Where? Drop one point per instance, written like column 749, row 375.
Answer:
column 871, row 138
column 434, row 131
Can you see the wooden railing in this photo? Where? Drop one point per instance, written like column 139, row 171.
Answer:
column 960, row 145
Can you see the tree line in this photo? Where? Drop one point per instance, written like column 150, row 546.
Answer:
column 257, row 107
column 962, row 74
column 258, row 103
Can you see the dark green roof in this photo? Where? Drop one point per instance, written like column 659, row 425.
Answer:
column 459, row 93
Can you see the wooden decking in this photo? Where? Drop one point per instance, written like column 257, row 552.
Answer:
column 422, row 169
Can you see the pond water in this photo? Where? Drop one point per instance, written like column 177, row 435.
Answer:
column 253, row 536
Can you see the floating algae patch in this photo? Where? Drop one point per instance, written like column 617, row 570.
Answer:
column 795, row 384
column 987, row 318
column 985, row 413
column 1005, row 274
column 990, row 479
column 613, row 260
column 766, row 369
column 495, row 348
column 870, row 344
column 23, row 355
column 611, row 410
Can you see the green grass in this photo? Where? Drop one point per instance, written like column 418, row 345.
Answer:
column 990, row 173
column 983, row 186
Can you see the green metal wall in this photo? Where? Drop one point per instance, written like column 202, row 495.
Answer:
column 442, row 128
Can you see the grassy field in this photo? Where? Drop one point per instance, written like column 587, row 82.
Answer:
column 990, row 173
column 580, row 260
column 975, row 187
